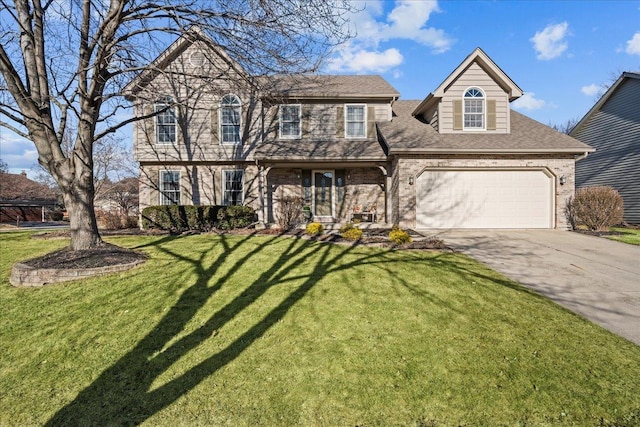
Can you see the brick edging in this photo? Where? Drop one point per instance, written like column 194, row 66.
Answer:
column 23, row 275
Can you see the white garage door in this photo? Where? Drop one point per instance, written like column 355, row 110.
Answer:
column 484, row 199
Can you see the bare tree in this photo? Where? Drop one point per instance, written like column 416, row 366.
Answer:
column 4, row 167
column 124, row 194
column 64, row 65
column 565, row 127
column 112, row 161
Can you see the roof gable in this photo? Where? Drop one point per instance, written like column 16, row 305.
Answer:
column 479, row 57
column 179, row 46
column 603, row 99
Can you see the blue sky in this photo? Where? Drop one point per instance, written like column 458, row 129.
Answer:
column 560, row 53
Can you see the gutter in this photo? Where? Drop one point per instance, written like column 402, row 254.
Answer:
column 582, row 151
column 583, row 155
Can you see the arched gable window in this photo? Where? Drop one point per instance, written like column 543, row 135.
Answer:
column 474, row 109
column 230, row 119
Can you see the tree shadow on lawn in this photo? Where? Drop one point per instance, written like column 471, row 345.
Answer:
column 122, row 394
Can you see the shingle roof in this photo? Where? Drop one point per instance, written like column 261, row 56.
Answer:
column 19, row 187
column 300, row 150
column 406, row 133
column 324, row 86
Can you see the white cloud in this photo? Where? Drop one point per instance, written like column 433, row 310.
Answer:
column 406, row 21
column 550, row 42
column 528, row 101
column 590, row 90
column 17, row 152
column 633, row 45
column 362, row 61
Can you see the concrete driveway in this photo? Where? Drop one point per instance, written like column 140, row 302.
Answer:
column 592, row 276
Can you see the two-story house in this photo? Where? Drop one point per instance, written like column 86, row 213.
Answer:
column 460, row 158
column 612, row 126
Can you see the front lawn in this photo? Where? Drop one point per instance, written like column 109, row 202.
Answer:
column 247, row 331
column 627, row 235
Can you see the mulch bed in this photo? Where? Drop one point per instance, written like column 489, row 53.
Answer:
column 104, row 256
column 109, row 255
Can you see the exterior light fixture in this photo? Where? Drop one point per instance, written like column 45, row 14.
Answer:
column 411, row 180
column 563, row 180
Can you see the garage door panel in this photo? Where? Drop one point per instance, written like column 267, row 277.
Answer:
column 484, row 199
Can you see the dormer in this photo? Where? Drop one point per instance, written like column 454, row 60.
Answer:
column 474, row 98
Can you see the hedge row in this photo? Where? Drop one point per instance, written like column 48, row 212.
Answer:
column 181, row 218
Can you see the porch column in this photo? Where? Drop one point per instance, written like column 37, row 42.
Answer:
column 262, row 190
column 387, row 193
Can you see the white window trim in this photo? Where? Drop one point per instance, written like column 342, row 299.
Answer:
column 156, row 124
column 161, row 183
column 364, row 106
column 299, row 135
column 220, row 124
column 484, row 110
column 224, row 184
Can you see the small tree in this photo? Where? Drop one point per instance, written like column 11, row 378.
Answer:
column 289, row 211
column 124, row 194
column 597, row 208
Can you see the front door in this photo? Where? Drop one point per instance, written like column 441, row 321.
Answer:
column 323, row 182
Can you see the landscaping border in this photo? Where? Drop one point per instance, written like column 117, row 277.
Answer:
column 23, row 275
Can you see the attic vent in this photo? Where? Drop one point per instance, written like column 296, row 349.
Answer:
column 197, row 59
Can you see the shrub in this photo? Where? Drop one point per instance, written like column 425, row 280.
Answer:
column 54, row 215
column 314, row 228
column 399, row 236
column 239, row 216
column 289, row 211
column 351, row 233
column 178, row 218
column 597, row 208
column 115, row 220
column 346, row 227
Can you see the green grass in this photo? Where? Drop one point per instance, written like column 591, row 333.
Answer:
column 246, row 331
column 630, row 236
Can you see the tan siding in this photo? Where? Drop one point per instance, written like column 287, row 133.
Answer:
column 382, row 111
column 197, row 118
column 474, row 76
column 339, row 121
column 371, row 122
column 199, row 184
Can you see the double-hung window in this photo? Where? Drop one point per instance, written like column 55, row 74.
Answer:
column 474, row 109
column 230, row 119
column 165, row 121
column 169, row 187
column 355, row 121
column 290, row 120
column 233, row 187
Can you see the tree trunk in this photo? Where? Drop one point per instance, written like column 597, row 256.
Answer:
column 82, row 219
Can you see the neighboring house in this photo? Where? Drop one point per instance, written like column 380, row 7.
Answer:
column 612, row 126
column 460, row 158
column 119, row 197
column 22, row 199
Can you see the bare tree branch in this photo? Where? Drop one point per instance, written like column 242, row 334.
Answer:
column 65, row 65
